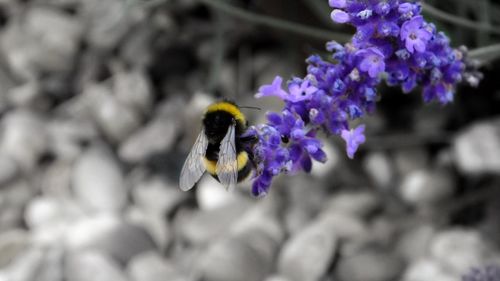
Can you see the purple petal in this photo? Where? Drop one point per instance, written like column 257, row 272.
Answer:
column 337, row 3
column 273, row 89
column 340, row 16
column 419, row 46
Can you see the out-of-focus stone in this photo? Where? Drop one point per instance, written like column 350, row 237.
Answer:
column 8, row 168
column 369, row 265
column 380, row 168
column 210, row 194
column 12, row 243
column 24, row 95
column 158, row 135
column 98, row 181
column 24, row 138
column 425, row 270
column 353, row 203
column 25, row 267
column 152, row 267
column 157, row 196
column 205, row 225
column 477, row 148
column 51, row 268
column 66, row 136
column 308, row 254
column 13, row 199
column 92, row 266
column 414, row 243
column 108, row 21
column 45, row 40
column 133, row 89
column 458, row 249
column 116, row 120
column 426, row 187
column 154, row 223
column 243, row 257
column 410, row 159
column 110, row 235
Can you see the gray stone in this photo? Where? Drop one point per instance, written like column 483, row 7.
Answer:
column 66, row 136
column 353, row 203
column 427, row 269
column 410, row 159
column 424, row 187
column 98, row 181
column 111, row 236
column 92, row 266
column 12, row 243
column 380, row 168
column 210, row 194
column 8, row 168
column 24, row 138
column 477, row 148
column 369, row 265
column 51, row 268
column 134, row 90
column 154, row 223
column 157, row 196
column 243, row 257
column 152, row 267
column 158, row 135
column 460, row 249
column 203, row 226
column 25, row 94
column 108, row 21
column 414, row 243
column 309, row 253
column 115, row 119
column 25, row 267
column 13, row 199
column 44, row 40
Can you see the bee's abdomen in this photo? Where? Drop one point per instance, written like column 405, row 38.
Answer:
column 244, row 166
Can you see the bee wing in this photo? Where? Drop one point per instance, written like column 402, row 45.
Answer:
column 227, row 167
column 193, row 168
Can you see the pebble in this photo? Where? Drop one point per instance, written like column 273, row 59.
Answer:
column 477, row 148
column 203, row 226
column 373, row 265
column 8, row 169
column 410, row 159
column 150, row 266
column 110, row 235
column 12, row 243
column 244, row 257
column 115, row 119
column 157, row 196
column 309, row 253
column 460, row 249
column 211, row 195
column 46, row 40
column 134, row 90
column 380, row 168
column 24, row 138
column 25, row 267
column 107, row 22
column 426, row 187
column 92, row 266
column 13, row 199
column 414, row 243
column 425, row 270
column 362, row 203
column 98, row 182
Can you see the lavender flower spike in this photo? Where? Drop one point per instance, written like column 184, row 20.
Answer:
column 392, row 44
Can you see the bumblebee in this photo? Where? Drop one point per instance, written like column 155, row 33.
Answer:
column 219, row 149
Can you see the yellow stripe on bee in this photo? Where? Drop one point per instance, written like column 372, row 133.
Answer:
column 227, row 107
column 211, row 166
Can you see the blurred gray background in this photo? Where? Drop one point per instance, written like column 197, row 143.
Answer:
column 101, row 100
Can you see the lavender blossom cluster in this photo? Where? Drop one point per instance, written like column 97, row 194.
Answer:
column 392, row 43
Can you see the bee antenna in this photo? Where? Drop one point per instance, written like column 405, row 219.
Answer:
column 251, row 107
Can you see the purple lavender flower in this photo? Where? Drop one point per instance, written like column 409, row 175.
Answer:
column 372, row 62
column 392, row 43
column 415, row 35
column 490, row 273
column 353, row 138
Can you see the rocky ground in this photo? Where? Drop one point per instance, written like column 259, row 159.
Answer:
column 100, row 102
